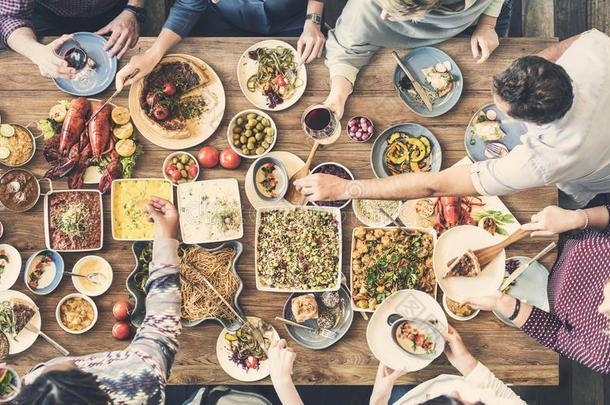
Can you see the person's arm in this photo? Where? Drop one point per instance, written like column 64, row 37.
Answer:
column 311, row 42
column 483, row 378
column 15, row 14
column 125, row 29
column 484, row 39
column 281, row 361
column 553, row 220
column 158, row 334
column 183, row 16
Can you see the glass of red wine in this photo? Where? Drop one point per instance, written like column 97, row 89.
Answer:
column 73, row 53
column 321, row 123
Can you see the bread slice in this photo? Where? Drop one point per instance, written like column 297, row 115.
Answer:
column 304, row 307
column 442, row 83
column 466, row 265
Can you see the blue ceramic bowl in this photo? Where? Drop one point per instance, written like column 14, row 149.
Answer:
column 417, row 60
column 59, row 272
column 282, row 174
column 104, row 73
column 512, row 128
column 416, row 130
column 312, row 340
column 139, row 309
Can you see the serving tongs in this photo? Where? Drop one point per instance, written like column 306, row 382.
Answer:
column 416, row 85
column 256, row 331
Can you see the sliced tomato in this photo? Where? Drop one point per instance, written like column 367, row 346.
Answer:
column 169, row 89
column 251, row 362
column 160, row 112
column 152, row 98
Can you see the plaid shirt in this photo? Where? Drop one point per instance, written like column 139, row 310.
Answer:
column 18, row 13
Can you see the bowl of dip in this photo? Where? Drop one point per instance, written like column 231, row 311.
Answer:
column 76, row 313
column 89, row 265
column 43, row 271
column 416, row 337
column 270, row 179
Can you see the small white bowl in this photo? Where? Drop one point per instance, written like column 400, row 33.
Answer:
column 16, row 383
column 456, row 317
column 366, row 222
column 167, row 161
column 58, row 317
column 77, row 284
column 232, row 124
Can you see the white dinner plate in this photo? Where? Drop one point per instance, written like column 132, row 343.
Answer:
column 13, row 268
column 223, row 354
column 454, row 243
column 25, row 338
column 246, row 67
column 411, row 304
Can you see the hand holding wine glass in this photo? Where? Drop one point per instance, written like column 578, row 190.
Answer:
column 50, row 63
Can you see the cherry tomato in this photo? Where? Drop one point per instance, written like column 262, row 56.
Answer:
column 169, row 88
column 208, row 156
column 193, row 170
column 121, row 330
column 160, row 112
column 169, row 169
column 121, row 310
column 229, row 159
column 152, row 98
column 176, row 175
column 280, row 81
column 251, row 362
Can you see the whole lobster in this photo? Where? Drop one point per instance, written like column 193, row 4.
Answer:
column 74, row 124
column 454, row 211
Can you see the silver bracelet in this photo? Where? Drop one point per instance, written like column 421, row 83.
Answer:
column 586, row 218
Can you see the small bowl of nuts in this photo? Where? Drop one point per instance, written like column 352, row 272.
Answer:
column 180, row 167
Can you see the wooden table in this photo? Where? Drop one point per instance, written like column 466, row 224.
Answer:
column 515, row 358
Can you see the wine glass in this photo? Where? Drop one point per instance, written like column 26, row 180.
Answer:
column 321, row 123
column 76, row 56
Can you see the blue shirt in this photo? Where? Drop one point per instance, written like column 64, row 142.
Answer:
column 265, row 17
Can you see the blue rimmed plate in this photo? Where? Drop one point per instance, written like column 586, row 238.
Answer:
column 422, row 58
column 53, row 280
column 529, row 287
column 475, row 146
column 344, row 315
column 414, row 130
column 103, row 75
column 139, row 310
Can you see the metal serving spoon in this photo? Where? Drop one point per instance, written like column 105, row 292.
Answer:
column 93, row 277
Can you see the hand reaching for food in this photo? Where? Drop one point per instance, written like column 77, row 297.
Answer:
column 311, row 43
column 457, row 353
column 487, row 303
column 145, row 62
column 165, row 217
column 322, row 187
column 281, row 361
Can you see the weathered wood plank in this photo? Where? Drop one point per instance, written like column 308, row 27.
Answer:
column 570, row 18
column 538, row 18
column 598, row 16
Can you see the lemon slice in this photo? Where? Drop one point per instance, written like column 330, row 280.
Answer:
column 7, row 130
column 120, row 115
column 4, row 152
column 125, row 147
column 58, row 113
column 124, row 131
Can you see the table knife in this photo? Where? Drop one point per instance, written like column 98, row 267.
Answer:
column 418, row 87
column 524, row 267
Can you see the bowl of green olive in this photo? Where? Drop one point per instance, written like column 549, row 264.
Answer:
column 180, row 167
column 251, row 134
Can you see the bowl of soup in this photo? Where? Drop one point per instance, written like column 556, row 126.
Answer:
column 417, row 338
column 43, row 271
column 99, row 272
column 270, row 179
column 76, row 313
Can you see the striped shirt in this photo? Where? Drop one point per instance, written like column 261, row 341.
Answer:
column 574, row 328
column 138, row 374
column 18, row 13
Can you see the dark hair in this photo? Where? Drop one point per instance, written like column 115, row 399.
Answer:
column 445, row 400
column 65, row 387
column 537, row 90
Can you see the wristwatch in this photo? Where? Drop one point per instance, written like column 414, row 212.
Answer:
column 139, row 12
column 315, row 18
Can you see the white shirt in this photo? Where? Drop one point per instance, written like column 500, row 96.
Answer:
column 572, row 152
column 480, row 385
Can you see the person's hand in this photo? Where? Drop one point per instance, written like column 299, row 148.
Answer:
column 553, row 220
column 145, row 62
column 323, row 187
column 281, row 360
column 335, row 105
column 483, row 42
column 487, row 303
column 457, row 353
column 165, row 217
column 385, row 380
column 49, row 63
column 125, row 33
column 311, row 42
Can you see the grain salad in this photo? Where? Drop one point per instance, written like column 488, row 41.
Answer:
column 368, row 211
column 298, row 249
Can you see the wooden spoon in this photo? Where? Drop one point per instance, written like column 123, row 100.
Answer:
column 487, row 254
column 293, row 195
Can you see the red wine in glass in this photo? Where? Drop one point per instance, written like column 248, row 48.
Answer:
column 320, row 123
column 317, row 119
column 76, row 57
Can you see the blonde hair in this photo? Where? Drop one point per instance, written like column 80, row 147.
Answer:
column 405, row 8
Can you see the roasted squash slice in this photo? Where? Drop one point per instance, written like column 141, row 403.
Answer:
column 418, row 149
column 426, row 143
column 415, row 167
column 394, row 137
column 397, row 153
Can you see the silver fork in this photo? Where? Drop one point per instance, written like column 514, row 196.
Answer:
column 495, row 150
column 291, row 74
column 327, row 333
